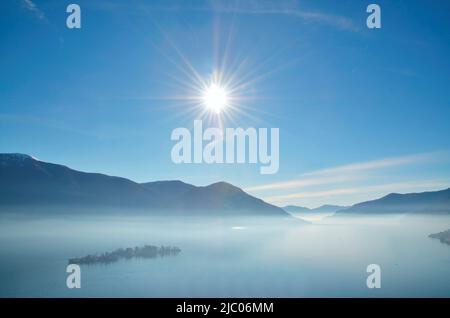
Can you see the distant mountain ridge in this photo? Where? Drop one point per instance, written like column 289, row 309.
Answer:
column 25, row 180
column 326, row 208
column 424, row 202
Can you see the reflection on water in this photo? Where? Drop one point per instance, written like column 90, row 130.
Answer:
column 226, row 257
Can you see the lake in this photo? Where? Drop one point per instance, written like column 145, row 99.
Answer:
column 226, row 257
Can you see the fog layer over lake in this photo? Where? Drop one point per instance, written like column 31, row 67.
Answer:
column 225, row 257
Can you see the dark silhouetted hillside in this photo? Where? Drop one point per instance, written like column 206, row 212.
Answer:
column 28, row 181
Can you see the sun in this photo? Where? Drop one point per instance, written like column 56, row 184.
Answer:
column 215, row 98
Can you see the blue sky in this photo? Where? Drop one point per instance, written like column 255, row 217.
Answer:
column 361, row 112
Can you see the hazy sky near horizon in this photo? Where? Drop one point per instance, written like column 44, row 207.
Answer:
column 361, row 112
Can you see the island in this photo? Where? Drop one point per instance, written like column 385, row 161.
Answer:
column 444, row 237
column 147, row 251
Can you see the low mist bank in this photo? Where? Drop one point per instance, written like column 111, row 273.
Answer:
column 225, row 256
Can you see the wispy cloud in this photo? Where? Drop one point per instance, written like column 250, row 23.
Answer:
column 381, row 188
column 287, row 8
column 381, row 163
column 32, row 7
column 348, row 184
column 350, row 172
column 301, row 183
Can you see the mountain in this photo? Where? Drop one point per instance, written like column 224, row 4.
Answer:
column 327, row 208
column 296, row 209
column 425, row 202
column 26, row 181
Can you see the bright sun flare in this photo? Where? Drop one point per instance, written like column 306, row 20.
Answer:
column 215, row 98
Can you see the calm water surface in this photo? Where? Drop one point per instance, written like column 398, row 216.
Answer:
column 226, row 257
